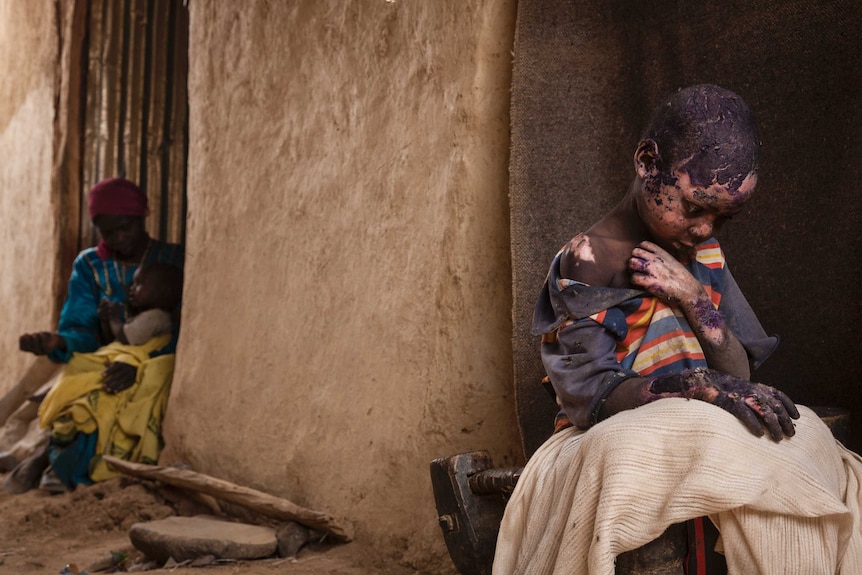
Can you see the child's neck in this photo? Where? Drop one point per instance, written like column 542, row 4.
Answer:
column 615, row 236
column 623, row 223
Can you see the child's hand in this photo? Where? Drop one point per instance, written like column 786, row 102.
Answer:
column 118, row 376
column 760, row 408
column 659, row 273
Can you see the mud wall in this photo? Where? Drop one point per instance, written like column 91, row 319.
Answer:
column 28, row 60
column 347, row 314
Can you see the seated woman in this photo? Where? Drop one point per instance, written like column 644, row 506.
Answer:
column 118, row 209
column 87, row 414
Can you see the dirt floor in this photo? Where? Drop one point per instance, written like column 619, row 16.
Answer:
column 41, row 534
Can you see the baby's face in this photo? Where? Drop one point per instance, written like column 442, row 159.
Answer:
column 142, row 291
column 681, row 214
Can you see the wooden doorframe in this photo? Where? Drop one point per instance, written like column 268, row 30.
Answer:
column 67, row 153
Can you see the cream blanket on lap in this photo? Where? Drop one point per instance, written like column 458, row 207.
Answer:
column 791, row 507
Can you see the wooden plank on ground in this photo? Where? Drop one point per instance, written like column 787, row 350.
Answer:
column 261, row 502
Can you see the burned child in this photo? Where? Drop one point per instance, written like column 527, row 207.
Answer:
column 649, row 344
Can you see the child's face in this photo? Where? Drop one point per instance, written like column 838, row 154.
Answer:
column 679, row 214
column 142, row 292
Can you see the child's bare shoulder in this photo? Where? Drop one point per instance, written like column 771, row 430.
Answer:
column 595, row 259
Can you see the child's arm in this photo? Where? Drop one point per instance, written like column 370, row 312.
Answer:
column 663, row 276
column 105, row 321
column 111, row 316
column 580, row 359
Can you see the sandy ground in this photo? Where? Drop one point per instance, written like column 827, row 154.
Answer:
column 42, row 533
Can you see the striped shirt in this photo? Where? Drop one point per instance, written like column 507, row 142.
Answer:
column 595, row 337
column 654, row 338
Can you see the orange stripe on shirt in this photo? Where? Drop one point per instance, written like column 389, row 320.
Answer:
column 639, row 321
column 674, row 343
column 670, row 359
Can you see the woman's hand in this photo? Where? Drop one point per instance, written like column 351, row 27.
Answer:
column 41, row 343
column 760, row 407
column 661, row 274
column 118, row 376
column 110, row 310
column 104, row 310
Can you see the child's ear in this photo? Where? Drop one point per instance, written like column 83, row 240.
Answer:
column 646, row 158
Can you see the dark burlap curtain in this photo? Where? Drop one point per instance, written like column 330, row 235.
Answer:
column 587, row 74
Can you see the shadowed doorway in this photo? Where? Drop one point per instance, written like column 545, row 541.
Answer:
column 123, row 111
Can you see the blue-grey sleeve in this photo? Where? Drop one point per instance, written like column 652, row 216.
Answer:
column 581, row 364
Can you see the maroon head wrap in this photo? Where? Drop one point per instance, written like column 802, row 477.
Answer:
column 117, row 197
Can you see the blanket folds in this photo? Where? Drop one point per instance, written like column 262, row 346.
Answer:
column 790, row 507
column 129, row 422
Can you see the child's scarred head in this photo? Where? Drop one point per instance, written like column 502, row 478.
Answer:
column 697, row 166
column 707, row 132
column 156, row 286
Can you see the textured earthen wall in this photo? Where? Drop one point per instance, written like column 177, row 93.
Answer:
column 347, row 312
column 28, row 56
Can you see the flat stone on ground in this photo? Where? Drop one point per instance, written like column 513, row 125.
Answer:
column 187, row 538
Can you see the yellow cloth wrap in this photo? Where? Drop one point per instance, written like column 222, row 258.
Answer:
column 129, row 422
